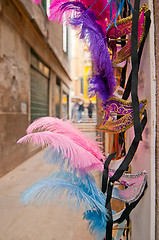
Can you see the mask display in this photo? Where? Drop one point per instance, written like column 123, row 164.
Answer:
column 123, row 29
column 102, row 25
column 119, row 115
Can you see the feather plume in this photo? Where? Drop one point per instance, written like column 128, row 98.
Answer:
column 79, row 157
column 97, row 223
column 57, row 157
column 98, row 85
column 61, row 127
column 77, row 191
column 57, row 15
column 103, row 9
column 92, row 32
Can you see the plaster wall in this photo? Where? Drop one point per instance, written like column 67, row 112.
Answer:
column 21, row 31
column 14, row 82
column 156, row 20
column 51, row 32
column 27, row 27
column 77, row 62
column 143, row 216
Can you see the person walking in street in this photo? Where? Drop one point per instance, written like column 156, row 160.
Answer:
column 80, row 110
column 74, row 111
column 90, row 111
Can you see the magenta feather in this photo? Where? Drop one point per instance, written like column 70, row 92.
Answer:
column 69, row 130
column 84, row 20
column 79, row 157
column 92, row 32
column 101, row 9
column 104, row 81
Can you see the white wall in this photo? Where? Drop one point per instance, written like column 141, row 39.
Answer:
column 143, row 216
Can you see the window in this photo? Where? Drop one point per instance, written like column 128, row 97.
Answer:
column 39, row 88
column 65, row 101
column 65, row 108
column 58, row 97
column 88, row 85
column 82, row 85
column 65, row 39
column 46, row 5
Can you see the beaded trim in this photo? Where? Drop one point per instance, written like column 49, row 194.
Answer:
column 132, row 188
column 122, row 52
column 124, row 122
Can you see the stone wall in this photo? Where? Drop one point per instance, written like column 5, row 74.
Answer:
column 24, row 26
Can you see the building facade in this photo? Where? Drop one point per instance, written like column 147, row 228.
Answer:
column 81, row 70
column 35, row 74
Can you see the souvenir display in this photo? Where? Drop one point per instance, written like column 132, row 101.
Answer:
column 135, row 184
column 105, row 11
column 124, row 27
column 67, row 145
column 103, row 80
column 119, row 115
column 102, row 24
column 59, row 126
column 80, row 191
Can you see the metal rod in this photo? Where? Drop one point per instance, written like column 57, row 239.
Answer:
column 116, row 228
column 116, row 184
column 118, row 40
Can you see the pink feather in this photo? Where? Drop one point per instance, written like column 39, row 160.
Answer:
column 79, row 157
column 64, row 128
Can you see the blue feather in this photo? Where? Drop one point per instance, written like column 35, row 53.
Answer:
column 78, row 191
column 97, row 223
column 57, row 157
column 105, row 8
column 91, row 5
column 120, row 5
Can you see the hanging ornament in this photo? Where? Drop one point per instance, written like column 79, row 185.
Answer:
column 134, row 183
column 119, row 115
column 122, row 28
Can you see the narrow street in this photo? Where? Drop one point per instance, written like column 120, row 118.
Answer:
column 95, row 64
column 53, row 222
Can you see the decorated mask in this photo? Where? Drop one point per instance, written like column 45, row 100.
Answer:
column 135, row 184
column 124, row 27
column 119, row 115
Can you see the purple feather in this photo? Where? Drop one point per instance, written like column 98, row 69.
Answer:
column 92, row 32
column 98, row 85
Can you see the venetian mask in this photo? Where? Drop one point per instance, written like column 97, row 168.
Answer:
column 119, row 115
